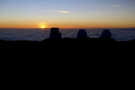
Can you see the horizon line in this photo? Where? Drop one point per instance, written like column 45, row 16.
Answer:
column 74, row 28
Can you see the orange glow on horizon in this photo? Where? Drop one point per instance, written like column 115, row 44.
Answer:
column 44, row 26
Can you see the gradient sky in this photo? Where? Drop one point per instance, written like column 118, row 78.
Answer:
column 67, row 13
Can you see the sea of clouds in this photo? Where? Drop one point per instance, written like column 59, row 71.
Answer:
column 38, row 34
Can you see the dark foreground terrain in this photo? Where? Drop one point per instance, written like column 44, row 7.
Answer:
column 61, row 52
column 87, row 58
column 83, row 60
column 69, row 43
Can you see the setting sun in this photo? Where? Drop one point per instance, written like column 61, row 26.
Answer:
column 43, row 26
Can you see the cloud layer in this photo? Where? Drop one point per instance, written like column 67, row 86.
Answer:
column 64, row 11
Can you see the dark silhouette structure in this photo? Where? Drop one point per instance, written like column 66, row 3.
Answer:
column 82, row 34
column 55, row 34
column 106, row 35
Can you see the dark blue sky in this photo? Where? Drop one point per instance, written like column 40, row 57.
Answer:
column 86, row 13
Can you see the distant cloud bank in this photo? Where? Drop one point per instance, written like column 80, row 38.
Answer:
column 64, row 11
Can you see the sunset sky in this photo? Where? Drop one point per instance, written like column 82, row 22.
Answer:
column 67, row 13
